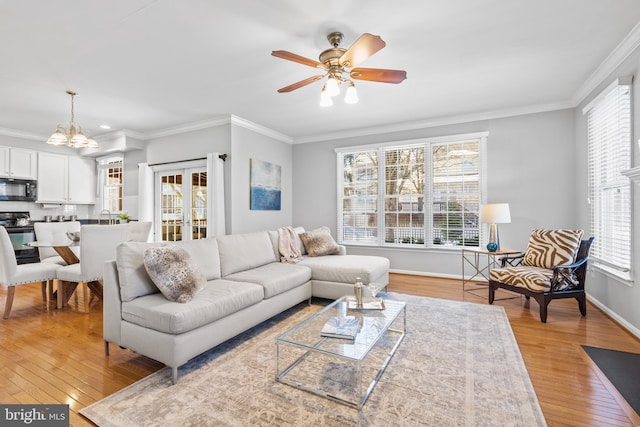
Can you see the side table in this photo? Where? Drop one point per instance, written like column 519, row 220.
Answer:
column 474, row 258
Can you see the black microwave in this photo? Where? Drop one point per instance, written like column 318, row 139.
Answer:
column 20, row 190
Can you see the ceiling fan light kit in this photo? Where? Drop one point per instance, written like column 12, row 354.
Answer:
column 340, row 66
column 73, row 136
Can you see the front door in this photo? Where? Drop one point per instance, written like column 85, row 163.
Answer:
column 182, row 204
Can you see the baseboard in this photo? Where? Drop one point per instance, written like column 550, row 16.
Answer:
column 613, row 315
column 427, row 274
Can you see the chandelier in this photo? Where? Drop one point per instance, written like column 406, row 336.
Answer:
column 73, row 136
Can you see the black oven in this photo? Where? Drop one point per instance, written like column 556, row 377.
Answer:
column 20, row 235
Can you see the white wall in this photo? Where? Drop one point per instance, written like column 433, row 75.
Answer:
column 620, row 300
column 531, row 166
column 189, row 146
column 241, row 144
column 246, row 145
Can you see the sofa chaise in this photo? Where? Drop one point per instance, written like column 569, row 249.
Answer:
column 246, row 284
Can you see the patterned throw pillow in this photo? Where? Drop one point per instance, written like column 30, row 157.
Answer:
column 548, row 248
column 319, row 242
column 171, row 270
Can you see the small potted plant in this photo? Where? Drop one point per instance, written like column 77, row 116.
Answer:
column 124, row 218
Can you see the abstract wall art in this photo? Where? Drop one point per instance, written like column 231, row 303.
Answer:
column 266, row 183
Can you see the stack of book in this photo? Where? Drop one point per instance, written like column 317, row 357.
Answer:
column 345, row 327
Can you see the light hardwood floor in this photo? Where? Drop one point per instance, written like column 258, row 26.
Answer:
column 57, row 356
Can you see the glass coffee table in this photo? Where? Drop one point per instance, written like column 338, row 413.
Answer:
column 339, row 369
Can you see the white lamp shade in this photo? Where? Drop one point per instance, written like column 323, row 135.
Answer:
column 325, row 98
column 58, row 138
column 495, row 213
column 332, row 87
column 351, row 96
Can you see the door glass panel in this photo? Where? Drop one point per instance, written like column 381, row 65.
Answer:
column 198, row 205
column 171, row 207
column 183, row 204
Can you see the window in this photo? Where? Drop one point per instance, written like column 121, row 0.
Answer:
column 428, row 193
column 111, row 183
column 609, row 139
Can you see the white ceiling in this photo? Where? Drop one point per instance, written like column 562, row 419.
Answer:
column 146, row 65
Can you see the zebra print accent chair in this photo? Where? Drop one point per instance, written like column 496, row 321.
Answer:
column 553, row 266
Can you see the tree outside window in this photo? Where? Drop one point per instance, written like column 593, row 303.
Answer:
column 429, row 194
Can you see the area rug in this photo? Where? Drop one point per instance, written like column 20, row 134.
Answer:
column 622, row 369
column 459, row 365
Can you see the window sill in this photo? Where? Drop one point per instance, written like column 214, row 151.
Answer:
column 633, row 174
column 443, row 248
column 623, row 278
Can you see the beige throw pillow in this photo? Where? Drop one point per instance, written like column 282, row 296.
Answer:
column 319, row 242
column 171, row 270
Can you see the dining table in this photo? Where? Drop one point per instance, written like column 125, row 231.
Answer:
column 63, row 247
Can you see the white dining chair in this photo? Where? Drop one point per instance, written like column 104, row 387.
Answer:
column 139, row 231
column 55, row 232
column 97, row 244
column 12, row 274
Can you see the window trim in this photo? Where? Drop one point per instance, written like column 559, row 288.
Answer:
column 102, row 166
column 428, row 142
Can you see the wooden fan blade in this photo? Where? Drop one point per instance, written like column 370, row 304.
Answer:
column 297, row 58
column 366, row 45
column 300, row 84
column 378, row 75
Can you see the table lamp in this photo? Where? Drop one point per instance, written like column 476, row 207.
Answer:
column 494, row 214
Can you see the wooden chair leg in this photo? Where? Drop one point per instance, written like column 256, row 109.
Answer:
column 582, row 304
column 61, row 293
column 86, row 297
column 43, row 286
column 544, row 302
column 51, row 283
column 11, row 290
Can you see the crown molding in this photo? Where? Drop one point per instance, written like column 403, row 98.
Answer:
column 120, row 133
column 626, row 47
column 220, row 121
column 247, row 124
column 424, row 124
column 21, row 134
column 189, row 127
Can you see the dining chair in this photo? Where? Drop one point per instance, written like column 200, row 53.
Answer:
column 12, row 274
column 53, row 232
column 97, row 245
column 139, row 231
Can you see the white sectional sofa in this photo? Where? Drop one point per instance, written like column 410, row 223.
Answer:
column 246, row 285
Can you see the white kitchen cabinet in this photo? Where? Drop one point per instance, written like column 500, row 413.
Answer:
column 82, row 180
column 18, row 163
column 66, row 179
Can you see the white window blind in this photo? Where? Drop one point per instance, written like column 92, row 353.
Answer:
column 421, row 194
column 358, row 207
column 609, row 138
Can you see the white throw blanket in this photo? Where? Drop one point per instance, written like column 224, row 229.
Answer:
column 288, row 245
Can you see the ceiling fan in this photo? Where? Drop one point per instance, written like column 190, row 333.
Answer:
column 340, row 66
